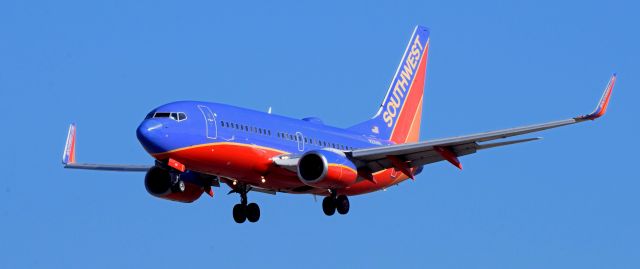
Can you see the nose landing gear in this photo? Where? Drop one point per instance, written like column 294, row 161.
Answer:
column 177, row 185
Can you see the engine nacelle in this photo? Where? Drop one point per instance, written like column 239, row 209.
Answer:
column 326, row 169
column 159, row 182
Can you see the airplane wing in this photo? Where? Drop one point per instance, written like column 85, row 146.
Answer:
column 421, row 153
column 403, row 157
column 69, row 158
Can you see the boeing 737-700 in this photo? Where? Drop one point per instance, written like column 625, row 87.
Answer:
column 199, row 145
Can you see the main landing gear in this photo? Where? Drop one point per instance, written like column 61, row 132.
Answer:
column 335, row 202
column 244, row 211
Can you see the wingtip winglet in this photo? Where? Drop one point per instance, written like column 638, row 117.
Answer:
column 601, row 109
column 69, row 154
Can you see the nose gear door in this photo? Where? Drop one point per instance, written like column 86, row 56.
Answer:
column 210, row 122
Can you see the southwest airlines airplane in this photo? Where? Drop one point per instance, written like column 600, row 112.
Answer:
column 199, row 145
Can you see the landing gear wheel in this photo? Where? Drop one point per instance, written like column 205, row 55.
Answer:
column 239, row 213
column 253, row 212
column 342, row 204
column 329, row 205
column 179, row 186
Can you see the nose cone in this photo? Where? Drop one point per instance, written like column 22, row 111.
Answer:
column 150, row 134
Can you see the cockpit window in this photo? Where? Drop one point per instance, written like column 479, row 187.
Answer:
column 177, row 116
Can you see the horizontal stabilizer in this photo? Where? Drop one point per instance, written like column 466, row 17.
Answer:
column 69, row 158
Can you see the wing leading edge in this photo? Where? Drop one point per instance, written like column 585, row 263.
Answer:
column 69, row 158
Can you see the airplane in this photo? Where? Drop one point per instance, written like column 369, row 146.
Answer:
column 200, row 145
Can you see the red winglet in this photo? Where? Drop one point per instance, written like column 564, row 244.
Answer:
column 603, row 103
column 69, row 154
column 177, row 165
column 448, row 155
column 400, row 166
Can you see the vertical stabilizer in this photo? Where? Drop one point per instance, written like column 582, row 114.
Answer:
column 399, row 115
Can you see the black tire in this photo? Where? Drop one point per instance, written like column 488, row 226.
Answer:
column 253, row 212
column 179, row 186
column 342, row 204
column 329, row 206
column 239, row 213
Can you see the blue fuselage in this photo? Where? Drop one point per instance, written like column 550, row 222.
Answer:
column 185, row 124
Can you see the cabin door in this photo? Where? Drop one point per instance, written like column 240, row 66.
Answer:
column 300, row 139
column 211, row 125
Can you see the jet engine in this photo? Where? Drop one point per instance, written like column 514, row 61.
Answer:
column 326, row 169
column 180, row 187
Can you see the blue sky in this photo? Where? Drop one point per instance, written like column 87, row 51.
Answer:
column 570, row 200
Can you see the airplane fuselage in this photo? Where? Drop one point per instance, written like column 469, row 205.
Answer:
column 239, row 144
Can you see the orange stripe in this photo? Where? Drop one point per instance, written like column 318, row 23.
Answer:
column 220, row 144
column 414, row 132
column 343, row 166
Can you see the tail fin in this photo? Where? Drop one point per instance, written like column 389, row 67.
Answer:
column 398, row 118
